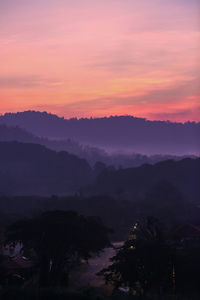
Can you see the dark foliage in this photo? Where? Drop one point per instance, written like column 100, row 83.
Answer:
column 132, row 183
column 58, row 240
column 145, row 261
column 151, row 262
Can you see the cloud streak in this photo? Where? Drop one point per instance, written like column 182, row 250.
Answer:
column 100, row 57
column 25, row 82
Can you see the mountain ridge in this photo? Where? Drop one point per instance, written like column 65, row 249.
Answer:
column 91, row 154
column 121, row 133
column 54, row 116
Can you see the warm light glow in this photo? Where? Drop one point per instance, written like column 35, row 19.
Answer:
column 95, row 58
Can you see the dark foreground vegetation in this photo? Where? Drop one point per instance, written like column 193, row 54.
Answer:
column 157, row 261
column 45, row 240
column 39, row 255
column 87, row 294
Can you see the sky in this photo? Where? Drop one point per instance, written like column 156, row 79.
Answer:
column 93, row 58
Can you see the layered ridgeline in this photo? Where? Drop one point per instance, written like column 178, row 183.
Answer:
column 91, row 154
column 168, row 190
column 119, row 133
column 31, row 169
column 134, row 183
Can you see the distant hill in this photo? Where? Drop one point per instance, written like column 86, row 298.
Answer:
column 134, row 183
column 114, row 133
column 31, row 169
column 91, row 154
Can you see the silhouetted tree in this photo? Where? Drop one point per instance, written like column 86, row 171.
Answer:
column 166, row 202
column 57, row 240
column 144, row 263
column 99, row 167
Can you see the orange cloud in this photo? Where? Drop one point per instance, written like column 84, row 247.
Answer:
column 100, row 57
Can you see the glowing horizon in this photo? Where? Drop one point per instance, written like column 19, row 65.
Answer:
column 99, row 58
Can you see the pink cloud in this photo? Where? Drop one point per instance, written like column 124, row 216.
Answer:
column 100, row 57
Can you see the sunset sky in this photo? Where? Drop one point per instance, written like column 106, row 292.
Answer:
column 82, row 58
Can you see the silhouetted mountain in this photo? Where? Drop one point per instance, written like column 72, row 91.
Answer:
column 169, row 190
column 34, row 169
column 134, row 183
column 91, row 154
column 119, row 133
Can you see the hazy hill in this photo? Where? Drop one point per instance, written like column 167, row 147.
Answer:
column 168, row 190
column 134, row 183
column 34, row 169
column 164, row 189
column 91, row 154
column 119, row 133
column 15, row 133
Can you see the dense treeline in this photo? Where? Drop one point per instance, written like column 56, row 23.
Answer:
column 164, row 202
column 131, row 183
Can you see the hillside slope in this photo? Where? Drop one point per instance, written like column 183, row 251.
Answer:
column 133, row 183
column 34, row 169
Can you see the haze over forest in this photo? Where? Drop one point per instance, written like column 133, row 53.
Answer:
column 42, row 154
column 116, row 133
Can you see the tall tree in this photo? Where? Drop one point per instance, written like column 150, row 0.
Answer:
column 57, row 240
column 144, row 263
